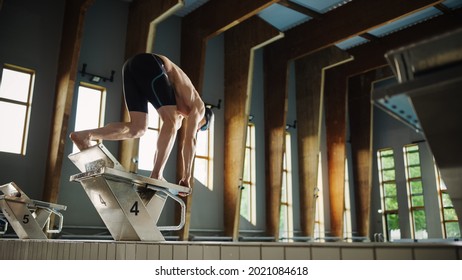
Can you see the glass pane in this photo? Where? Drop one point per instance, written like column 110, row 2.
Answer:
column 249, row 136
column 202, row 146
column 245, row 202
column 201, row 171
column 147, row 148
column 388, row 162
column 417, row 200
column 413, row 158
column 452, row 230
column 88, row 110
column 283, row 221
column 450, row 214
column 412, row 148
column 447, row 202
column 153, row 117
column 284, row 187
column 416, row 187
column 12, row 120
column 247, row 166
column 392, row 221
column 414, row 171
column 420, row 221
column 388, row 175
column 15, row 85
column 390, row 189
column 387, row 152
column 391, row 203
column 442, row 185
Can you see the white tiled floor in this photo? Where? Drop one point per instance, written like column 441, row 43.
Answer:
column 110, row 250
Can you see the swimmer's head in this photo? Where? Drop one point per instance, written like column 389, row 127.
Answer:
column 208, row 118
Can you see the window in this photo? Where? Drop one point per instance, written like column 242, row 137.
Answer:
column 415, row 192
column 449, row 220
column 15, row 106
column 347, row 229
column 90, row 108
column 286, row 214
column 203, row 163
column 388, row 193
column 248, row 199
column 148, row 142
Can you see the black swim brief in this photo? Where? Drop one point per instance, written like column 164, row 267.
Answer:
column 145, row 80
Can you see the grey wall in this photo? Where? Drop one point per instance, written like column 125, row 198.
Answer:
column 30, row 34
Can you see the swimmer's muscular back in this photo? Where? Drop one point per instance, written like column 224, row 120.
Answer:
column 186, row 95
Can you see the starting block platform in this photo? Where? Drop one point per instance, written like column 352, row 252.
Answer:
column 26, row 216
column 129, row 204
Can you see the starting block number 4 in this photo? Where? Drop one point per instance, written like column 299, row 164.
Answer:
column 134, row 209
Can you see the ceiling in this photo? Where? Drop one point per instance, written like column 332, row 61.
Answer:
column 283, row 17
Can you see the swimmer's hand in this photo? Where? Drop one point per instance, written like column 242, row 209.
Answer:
column 184, row 183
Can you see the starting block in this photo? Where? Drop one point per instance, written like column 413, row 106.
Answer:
column 26, row 216
column 129, row 204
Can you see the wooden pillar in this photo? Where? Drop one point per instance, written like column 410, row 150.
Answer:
column 211, row 19
column 240, row 43
column 360, row 114
column 74, row 16
column 309, row 72
column 335, row 92
column 142, row 19
column 275, row 107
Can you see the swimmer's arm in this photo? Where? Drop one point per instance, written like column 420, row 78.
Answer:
column 189, row 143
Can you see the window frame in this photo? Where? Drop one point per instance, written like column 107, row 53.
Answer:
column 413, row 209
column 250, row 185
column 208, row 157
column 286, row 189
column 27, row 104
column 384, row 211
column 442, row 189
column 102, row 106
column 151, row 127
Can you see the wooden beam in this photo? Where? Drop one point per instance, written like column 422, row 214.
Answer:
column 301, row 9
column 143, row 17
column 240, row 43
column 332, row 29
column 360, row 114
column 367, row 57
column 309, row 72
column 211, row 19
column 74, row 16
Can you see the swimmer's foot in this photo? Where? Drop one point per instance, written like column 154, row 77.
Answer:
column 184, row 194
column 81, row 140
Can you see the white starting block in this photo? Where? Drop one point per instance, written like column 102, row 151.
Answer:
column 28, row 217
column 129, row 204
